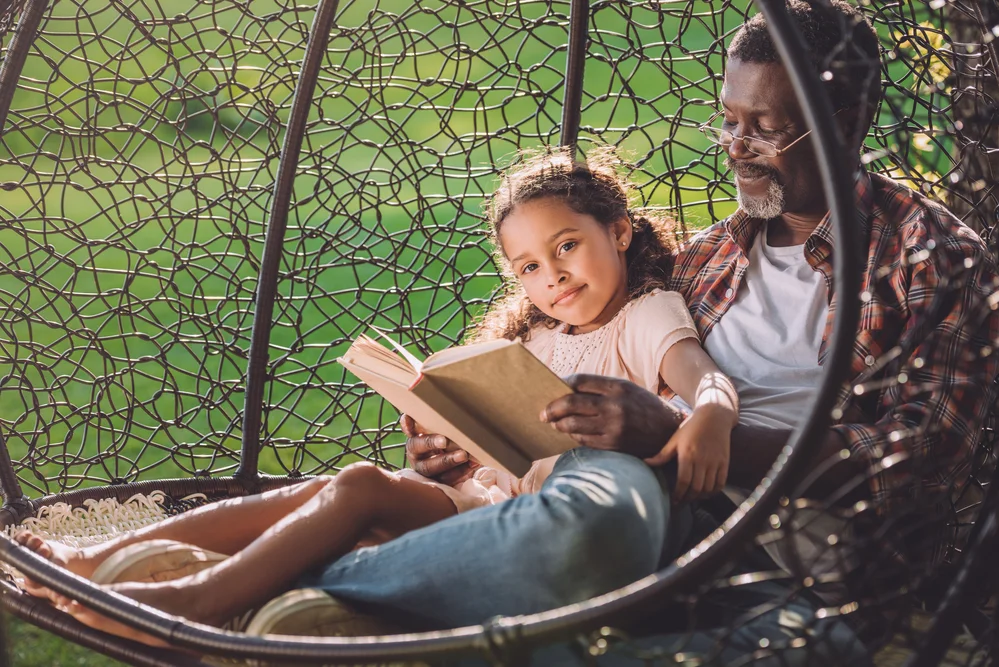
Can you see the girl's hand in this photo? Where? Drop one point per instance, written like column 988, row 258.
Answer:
column 435, row 456
column 701, row 447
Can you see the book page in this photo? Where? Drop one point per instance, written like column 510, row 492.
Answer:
column 402, row 351
column 368, row 353
column 461, row 352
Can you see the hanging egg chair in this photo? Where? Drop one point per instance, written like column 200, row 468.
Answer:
column 205, row 203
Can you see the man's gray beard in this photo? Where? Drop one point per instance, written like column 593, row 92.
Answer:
column 763, row 208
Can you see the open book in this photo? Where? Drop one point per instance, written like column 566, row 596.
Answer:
column 485, row 397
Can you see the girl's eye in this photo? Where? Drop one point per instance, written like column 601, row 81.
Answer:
column 567, row 246
column 528, row 268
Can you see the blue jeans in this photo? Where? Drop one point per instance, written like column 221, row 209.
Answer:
column 600, row 521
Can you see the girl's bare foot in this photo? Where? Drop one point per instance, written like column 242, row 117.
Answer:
column 75, row 560
column 59, row 554
column 100, row 622
column 165, row 597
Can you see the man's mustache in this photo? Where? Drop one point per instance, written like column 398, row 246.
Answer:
column 749, row 170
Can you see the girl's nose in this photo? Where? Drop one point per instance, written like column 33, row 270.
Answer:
column 557, row 277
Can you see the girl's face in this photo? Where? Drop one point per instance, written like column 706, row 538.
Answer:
column 572, row 267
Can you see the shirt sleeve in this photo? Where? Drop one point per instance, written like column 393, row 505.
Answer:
column 654, row 324
column 941, row 385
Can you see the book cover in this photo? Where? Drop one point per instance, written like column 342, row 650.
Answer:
column 487, row 398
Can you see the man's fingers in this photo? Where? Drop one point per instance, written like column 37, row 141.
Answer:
column 408, row 426
column 440, row 464
column 575, row 424
column 420, row 446
column 592, row 384
column 572, row 404
column 583, row 439
column 597, row 441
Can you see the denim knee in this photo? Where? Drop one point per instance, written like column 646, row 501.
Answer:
column 608, row 522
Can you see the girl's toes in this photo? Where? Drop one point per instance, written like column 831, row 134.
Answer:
column 43, row 549
column 61, row 601
column 35, row 589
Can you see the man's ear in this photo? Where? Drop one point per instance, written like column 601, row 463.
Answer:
column 854, row 123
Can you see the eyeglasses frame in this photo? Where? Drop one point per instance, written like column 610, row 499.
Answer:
column 708, row 131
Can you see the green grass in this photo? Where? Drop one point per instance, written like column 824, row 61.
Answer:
column 136, row 169
column 29, row 646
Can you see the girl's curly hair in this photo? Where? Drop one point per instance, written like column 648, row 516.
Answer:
column 591, row 186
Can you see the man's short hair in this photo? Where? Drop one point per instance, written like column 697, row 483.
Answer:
column 840, row 40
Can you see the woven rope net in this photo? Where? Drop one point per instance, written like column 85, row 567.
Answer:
column 140, row 153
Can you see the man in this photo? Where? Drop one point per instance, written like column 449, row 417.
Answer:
column 760, row 288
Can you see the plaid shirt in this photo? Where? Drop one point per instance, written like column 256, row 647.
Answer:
column 927, row 327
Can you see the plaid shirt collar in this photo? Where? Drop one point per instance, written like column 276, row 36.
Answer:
column 742, row 228
column 709, row 269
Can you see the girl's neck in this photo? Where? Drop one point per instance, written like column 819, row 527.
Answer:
column 616, row 304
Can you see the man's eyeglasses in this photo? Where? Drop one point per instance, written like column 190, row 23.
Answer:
column 762, row 147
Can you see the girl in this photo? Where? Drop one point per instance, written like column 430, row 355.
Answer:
column 585, row 294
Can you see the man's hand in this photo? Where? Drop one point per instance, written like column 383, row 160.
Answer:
column 435, row 456
column 607, row 413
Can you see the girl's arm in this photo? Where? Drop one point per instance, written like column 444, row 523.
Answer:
column 688, row 370
column 701, row 444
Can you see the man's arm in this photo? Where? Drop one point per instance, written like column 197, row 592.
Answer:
column 939, row 388
column 608, row 413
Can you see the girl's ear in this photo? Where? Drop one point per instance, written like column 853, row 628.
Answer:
column 623, row 233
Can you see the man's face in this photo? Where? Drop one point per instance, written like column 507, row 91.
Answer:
column 759, row 101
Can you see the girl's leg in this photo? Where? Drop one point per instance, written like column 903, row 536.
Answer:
column 225, row 527
column 361, row 498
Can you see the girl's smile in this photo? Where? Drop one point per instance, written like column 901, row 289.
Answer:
column 567, row 295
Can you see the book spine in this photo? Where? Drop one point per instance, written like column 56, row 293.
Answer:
column 416, row 381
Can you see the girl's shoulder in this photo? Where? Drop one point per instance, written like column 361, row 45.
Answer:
column 539, row 336
column 658, row 308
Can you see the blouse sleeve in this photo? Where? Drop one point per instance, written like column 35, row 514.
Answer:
column 652, row 326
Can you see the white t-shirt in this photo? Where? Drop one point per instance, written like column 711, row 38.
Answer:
column 768, row 340
column 768, row 343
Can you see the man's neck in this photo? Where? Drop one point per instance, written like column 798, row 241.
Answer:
column 792, row 228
